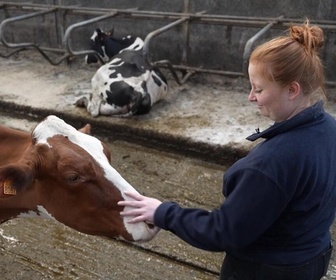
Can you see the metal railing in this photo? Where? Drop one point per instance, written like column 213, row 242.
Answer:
column 174, row 19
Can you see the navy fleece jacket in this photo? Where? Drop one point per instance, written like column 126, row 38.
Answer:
column 280, row 198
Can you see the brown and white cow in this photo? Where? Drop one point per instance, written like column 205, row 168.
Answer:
column 61, row 173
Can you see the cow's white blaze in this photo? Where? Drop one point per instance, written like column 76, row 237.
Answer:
column 52, row 126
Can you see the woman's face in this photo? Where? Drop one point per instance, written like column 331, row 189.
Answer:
column 272, row 99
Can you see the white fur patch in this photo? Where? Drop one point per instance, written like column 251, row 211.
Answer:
column 28, row 214
column 114, row 61
column 41, row 212
column 137, row 45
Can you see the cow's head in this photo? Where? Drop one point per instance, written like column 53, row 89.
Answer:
column 65, row 174
column 107, row 46
column 97, row 44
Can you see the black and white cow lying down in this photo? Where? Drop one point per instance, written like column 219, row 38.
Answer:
column 125, row 86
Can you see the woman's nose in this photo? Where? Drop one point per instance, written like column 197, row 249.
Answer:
column 252, row 96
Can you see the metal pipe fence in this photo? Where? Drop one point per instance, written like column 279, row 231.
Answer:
column 173, row 19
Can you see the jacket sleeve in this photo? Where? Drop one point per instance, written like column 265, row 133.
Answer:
column 252, row 207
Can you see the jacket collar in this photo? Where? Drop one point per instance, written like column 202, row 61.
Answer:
column 306, row 116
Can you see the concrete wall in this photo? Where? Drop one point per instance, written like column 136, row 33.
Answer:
column 217, row 47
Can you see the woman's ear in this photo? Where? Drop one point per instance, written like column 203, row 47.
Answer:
column 294, row 90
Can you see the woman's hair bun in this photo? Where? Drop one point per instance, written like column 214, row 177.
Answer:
column 311, row 37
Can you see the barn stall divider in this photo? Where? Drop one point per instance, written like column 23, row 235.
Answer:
column 184, row 19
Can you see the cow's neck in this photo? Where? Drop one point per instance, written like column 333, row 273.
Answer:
column 8, row 213
column 13, row 205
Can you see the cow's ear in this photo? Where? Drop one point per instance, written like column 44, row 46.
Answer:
column 111, row 32
column 14, row 178
column 86, row 129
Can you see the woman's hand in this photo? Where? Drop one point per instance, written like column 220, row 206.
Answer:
column 142, row 208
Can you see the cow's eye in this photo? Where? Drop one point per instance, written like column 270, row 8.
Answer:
column 73, row 178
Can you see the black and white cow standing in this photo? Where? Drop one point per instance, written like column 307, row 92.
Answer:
column 125, row 86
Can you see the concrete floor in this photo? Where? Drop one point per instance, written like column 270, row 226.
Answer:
column 208, row 116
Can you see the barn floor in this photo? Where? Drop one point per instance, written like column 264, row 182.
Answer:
column 206, row 112
column 208, row 117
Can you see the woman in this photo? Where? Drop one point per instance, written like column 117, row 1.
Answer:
column 280, row 198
